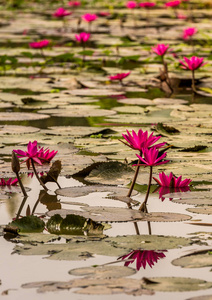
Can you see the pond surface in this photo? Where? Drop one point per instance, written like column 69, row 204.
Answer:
column 63, row 98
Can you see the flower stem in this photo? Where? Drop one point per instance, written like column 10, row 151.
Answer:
column 21, row 185
column 143, row 205
column 193, row 81
column 36, row 174
column 134, row 179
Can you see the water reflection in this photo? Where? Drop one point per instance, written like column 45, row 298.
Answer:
column 163, row 190
column 142, row 258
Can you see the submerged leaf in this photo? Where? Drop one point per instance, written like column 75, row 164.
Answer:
column 28, row 224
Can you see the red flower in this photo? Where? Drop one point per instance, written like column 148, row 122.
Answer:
column 143, row 257
column 61, row 12
column 171, row 181
column 89, row 17
column 31, row 153
column 160, row 49
column 147, row 4
column 131, row 4
column 82, row 37
column 119, row 76
column 188, row 32
column 173, row 3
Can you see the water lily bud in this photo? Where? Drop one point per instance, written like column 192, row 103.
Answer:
column 15, row 163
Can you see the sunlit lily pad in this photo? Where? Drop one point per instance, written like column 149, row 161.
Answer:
column 12, row 129
column 112, row 214
column 102, row 272
column 206, row 210
column 197, row 259
column 20, row 116
column 178, row 284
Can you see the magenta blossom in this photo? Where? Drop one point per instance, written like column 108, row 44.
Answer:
column 160, row 49
column 193, row 63
column 74, row 3
column 151, row 157
column 174, row 3
column 103, row 14
column 189, row 32
column 45, row 155
column 172, row 181
column 61, row 13
column 131, row 4
column 163, row 190
column 147, row 4
column 39, row 44
column 82, row 37
column 119, row 76
column 31, row 153
column 143, row 257
column 9, row 182
column 141, row 140
column 89, row 17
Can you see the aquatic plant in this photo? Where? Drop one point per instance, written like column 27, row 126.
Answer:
column 192, row 64
column 189, row 32
column 119, row 77
column 131, row 4
column 8, row 182
column 172, row 181
column 61, row 13
column 39, row 44
column 142, row 258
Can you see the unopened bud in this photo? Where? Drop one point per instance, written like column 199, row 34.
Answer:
column 15, row 163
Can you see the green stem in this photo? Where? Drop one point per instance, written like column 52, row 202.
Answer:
column 21, row 185
column 36, row 174
column 143, row 205
column 134, row 179
column 193, row 82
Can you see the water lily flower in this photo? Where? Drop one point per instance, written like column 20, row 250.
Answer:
column 173, row 3
column 131, row 4
column 74, row 3
column 160, row 49
column 89, row 17
column 9, row 182
column 189, row 32
column 171, row 181
column 103, row 14
column 141, row 140
column 31, row 153
column 143, row 257
column 119, row 76
column 39, row 44
column 45, row 155
column 147, row 4
column 193, row 63
column 61, row 13
column 82, row 37
column 151, row 157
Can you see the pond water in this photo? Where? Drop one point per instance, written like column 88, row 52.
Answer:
column 63, row 98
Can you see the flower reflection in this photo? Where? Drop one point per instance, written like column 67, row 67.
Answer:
column 163, row 190
column 143, row 257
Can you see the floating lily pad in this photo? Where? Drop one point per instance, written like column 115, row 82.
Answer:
column 12, row 129
column 28, row 224
column 103, row 272
column 137, row 101
column 115, row 214
column 197, row 259
column 178, row 284
column 206, row 210
column 20, row 116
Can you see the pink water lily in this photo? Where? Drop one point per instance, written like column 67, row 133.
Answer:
column 147, row 4
column 82, row 37
column 39, row 44
column 189, row 32
column 152, row 158
column 141, row 140
column 74, row 3
column 61, row 13
column 9, row 182
column 171, row 181
column 193, row 63
column 173, row 3
column 89, row 17
column 31, row 153
column 160, row 49
column 163, row 190
column 131, row 4
column 45, row 155
column 119, row 76
column 143, row 257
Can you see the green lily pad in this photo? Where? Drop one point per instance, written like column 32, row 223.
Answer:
column 117, row 214
column 178, row 284
column 197, row 259
column 20, row 116
column 28, row 224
